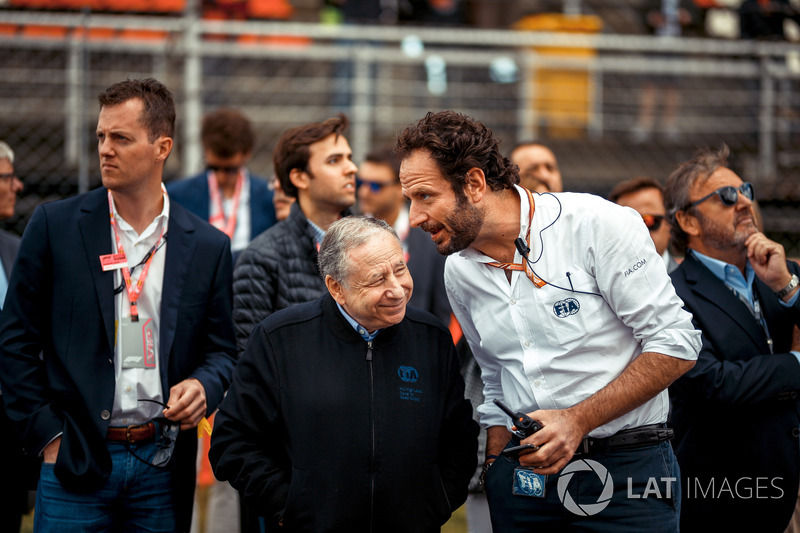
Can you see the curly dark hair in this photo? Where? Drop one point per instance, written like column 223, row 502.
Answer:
column 676, row 191
column 292, row 150
column 158, row 115
column 458, row 143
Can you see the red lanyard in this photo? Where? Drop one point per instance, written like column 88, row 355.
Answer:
column 524, row 266
column 133, row 290
column 217, row 219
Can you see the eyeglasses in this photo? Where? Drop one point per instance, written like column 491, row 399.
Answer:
column 729, row 195
column 374, row 186
column 653, row 222
column 8, row 176
column 166, row 435
column 216, row 169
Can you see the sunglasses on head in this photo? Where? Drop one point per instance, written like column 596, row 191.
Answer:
column 217, row 169
column 653, row 222
column 728, row 194
column 374, row 186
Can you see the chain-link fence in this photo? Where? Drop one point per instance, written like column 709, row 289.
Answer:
column 611, row 107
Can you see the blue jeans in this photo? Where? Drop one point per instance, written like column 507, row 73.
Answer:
column 637, row 489
column 136, row 497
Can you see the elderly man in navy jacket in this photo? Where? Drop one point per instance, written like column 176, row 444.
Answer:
column 347, row 413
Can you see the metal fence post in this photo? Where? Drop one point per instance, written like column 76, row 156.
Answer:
column 766, row 121
column 362, row 101
column 192, row 91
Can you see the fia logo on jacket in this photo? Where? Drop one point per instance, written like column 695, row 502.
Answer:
column 565, row 308
column 409, row 375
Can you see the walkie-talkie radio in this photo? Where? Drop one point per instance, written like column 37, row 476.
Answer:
column 526, row 426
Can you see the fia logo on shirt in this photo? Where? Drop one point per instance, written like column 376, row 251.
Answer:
column 565, row 308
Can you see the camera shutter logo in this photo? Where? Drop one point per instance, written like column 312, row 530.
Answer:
column 586, row 509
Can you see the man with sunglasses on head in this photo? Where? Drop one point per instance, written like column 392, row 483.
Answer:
column 117, row 339
column 736, row 412
column 225, row 193
column 646, row 197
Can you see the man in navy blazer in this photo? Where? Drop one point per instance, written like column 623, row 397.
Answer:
column 736, row 412
column 87, row 359
column 225, row 193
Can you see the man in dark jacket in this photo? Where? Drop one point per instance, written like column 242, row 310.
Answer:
column 736, row 412
column 314, row 164
column 348, row 413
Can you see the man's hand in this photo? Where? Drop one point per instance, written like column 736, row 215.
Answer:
column 796, row 339
column 50, row 452
column 557, row 441
column 187, row 403
column 768, row 260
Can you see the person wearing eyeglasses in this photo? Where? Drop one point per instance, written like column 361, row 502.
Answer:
column 108, row 386
column 646, row 197
column 225, row 193
column 13, row 487
column 736, row 413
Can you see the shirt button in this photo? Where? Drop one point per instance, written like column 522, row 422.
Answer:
column 105, row 415
column 512, row 301
column 527, row 344
column 127, row 389
column 537, row 383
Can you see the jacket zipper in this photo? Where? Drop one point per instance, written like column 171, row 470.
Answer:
column 372, row 422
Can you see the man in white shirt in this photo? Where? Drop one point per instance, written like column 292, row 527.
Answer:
column 570, row 323
column 117, row 338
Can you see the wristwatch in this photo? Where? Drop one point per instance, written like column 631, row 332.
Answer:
column 789, row 288
column 488, row 463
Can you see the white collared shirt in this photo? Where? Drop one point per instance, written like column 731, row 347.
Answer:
column 551, row 348
column 135, row 383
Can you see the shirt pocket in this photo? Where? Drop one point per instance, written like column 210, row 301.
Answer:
column 570, row 316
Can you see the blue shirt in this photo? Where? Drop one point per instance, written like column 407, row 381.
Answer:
column 367, row 336
column 741, row 285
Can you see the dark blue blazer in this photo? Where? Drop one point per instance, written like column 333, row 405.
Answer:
column 736, row 412
column 192, row 193
column 61, row 305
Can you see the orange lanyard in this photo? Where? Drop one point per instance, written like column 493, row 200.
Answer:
column 524, row 266
column 218, row 218
column 133, row 290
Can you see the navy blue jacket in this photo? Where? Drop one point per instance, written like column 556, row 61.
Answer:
column 736, row 412
column 61, row 305
column 326, row 434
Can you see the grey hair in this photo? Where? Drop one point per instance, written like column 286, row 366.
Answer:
column 676, row 192
column 6, row 152
column 343, row 236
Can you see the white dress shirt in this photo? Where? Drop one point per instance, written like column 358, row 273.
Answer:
column 551, row 348
column 135, row 383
